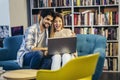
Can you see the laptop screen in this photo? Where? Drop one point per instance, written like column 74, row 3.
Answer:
column 61, row 45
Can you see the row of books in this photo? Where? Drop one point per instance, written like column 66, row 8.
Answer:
column 112, row 49
column 51, row 3
column 68, row 19
column 94, row 18
column 35, row 18
column 108, row 18
column 94, row 2
column 109, row 33
column 56, row 3
column 111, row 64
column 88, row 18
column 84, row 19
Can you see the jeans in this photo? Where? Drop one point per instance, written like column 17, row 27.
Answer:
column 36, row 60
column 46, row 62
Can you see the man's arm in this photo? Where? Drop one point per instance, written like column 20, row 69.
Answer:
column 30, row 38
column 41, row 49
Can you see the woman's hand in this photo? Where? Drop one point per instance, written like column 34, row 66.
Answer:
column 45, row 53
column 75, row 54
column 73, row 34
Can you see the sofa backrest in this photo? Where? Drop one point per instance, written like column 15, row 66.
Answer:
column 87, row 43
column 13, row 44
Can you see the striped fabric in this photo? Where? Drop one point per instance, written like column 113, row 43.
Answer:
column 32, row 38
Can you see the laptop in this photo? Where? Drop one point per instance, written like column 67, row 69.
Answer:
column 61, row 45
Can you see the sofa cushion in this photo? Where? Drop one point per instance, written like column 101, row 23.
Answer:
column 9, row 65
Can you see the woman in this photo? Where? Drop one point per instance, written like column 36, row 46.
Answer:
column 57, row 32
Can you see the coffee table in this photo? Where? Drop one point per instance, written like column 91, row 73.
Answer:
column 22, row 74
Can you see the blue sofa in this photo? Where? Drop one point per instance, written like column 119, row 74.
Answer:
column 86, row 44
column 90, row 44
column 9, row 52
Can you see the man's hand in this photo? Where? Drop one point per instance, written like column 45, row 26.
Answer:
column 41, row 49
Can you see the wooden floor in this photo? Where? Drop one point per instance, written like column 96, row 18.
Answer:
column 110, row 76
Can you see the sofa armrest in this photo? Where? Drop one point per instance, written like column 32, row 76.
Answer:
column 4, row 54
column 100, row 64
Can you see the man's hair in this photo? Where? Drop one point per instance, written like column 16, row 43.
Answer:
column 46, row 12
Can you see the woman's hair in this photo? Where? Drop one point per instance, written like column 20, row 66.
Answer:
column 53, row 28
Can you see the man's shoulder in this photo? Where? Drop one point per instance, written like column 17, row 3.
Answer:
column 32, row 28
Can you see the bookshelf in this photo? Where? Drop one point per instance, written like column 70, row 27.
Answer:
column 88, row 17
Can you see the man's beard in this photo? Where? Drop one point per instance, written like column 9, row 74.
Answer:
column 46, row 26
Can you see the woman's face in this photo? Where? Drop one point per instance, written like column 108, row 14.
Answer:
column 58, row 24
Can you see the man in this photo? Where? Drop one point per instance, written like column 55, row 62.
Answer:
column 36, row 36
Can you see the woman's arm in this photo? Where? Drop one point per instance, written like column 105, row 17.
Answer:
column 75, row 54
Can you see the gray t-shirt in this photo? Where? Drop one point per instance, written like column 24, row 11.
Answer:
column 43, row 39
